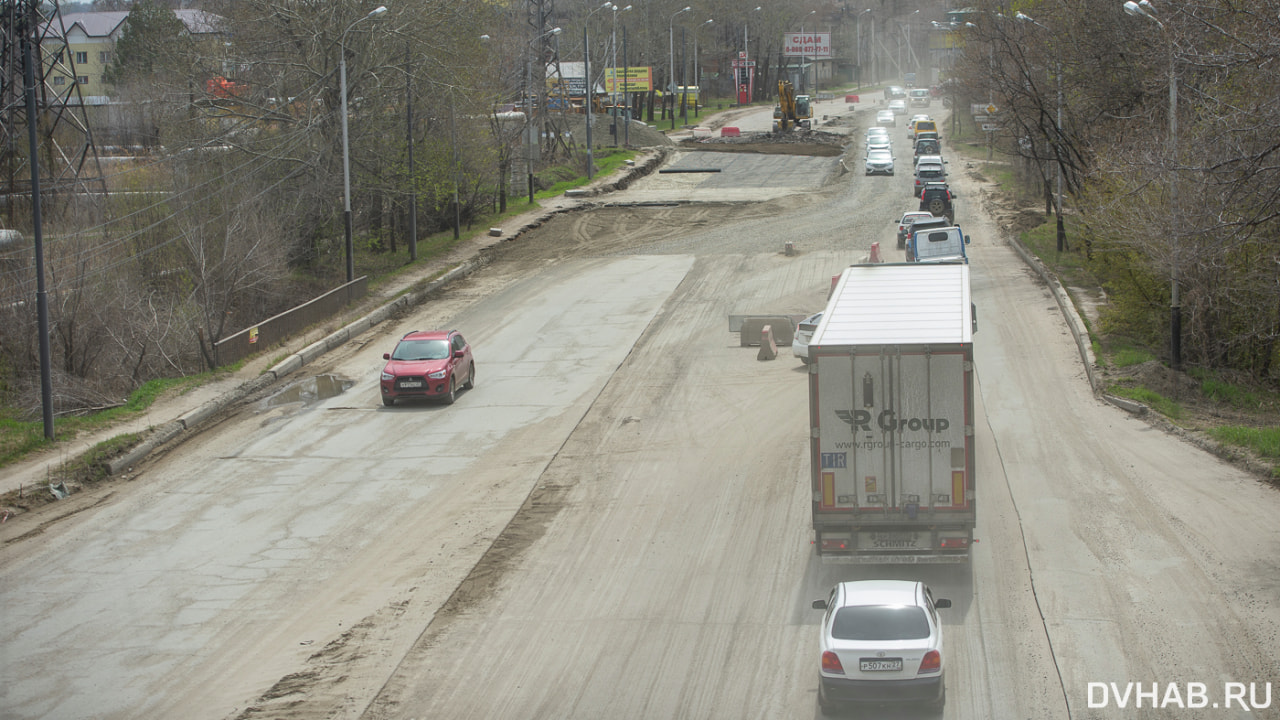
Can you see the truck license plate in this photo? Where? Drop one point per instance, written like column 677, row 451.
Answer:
column 890, row 541
column 880, row 665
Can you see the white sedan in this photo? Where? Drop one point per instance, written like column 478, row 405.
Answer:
column 881, row 642
column 804, row 333
column 886, row 118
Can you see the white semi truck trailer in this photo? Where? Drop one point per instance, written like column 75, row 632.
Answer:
column 891, row 415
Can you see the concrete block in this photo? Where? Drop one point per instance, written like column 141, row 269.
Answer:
column 288, row 365
column 312, row 351
column 336, row 340
column 115, row 466
column 262, row 382
column 768, row 348
column 358, row 327
column 784, row 330
column 167, row 432
column 200, row 414
column 379, row 315
column 495, row 232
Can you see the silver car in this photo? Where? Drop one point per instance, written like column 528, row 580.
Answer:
column 879, row 161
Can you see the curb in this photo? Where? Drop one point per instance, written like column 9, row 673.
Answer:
column 1076, row 325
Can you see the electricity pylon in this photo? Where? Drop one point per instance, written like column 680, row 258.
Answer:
column 67, row 159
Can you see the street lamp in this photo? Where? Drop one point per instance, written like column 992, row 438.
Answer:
column 346, row 146
column 684, row 101
column 528, row 104
column 613, row 96
column 671, row 55
column 858, row 34
column 1062, row 232
column 911, row 52
column 743, row 79
column 804, row 74
column 1143, row 8
column 586, row 71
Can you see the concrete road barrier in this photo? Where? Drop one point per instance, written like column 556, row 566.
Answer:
column 288, row 365
column 313, row 351
column 783, row 329
column 768, row 348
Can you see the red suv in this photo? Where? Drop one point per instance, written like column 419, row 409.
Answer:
column 430, row 364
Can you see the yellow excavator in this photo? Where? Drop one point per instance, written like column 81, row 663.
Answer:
column 792, row 111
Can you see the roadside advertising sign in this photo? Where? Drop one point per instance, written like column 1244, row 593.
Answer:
column 808, row 44
column 571, row 86
column 628, row 79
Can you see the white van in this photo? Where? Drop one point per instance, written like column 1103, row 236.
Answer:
column 918, row 97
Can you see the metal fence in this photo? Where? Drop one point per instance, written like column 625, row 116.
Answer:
column 281, row 327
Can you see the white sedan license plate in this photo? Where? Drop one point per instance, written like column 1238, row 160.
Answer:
column 881, row 665
column 410, row 383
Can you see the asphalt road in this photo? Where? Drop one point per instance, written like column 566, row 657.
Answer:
column 614, row 523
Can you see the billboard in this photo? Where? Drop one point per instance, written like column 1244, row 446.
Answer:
column 807, row 44
column 632, row 79
column 570, row 86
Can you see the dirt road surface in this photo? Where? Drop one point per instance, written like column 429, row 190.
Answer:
column 614, row 522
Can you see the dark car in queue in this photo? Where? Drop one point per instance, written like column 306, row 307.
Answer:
column 432, row 364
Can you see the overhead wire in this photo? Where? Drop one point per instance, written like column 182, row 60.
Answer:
column 278, row 154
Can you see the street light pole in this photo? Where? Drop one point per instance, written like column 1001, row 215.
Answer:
column 671, row 64
column 858, row 34
column 1144, row 9
column 743, row 76
column 591, row 91
column 413, row 184
column 613, row 42
column 697, row 75
column 911, row 52
column 42, row 294
column 528, row 104
column 346, row 145
column 804, row 73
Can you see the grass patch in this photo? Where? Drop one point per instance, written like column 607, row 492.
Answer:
column 1263, row 441
column 1070, row 265
column 1130, row 356
column 20, row 437
column 1219, row 390
column 605, row 164
column 1155, row 400
column 92, row 465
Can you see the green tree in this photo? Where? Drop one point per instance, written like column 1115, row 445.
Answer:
column 154, row 43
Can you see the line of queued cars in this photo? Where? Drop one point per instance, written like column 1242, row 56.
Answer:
column 880, row 641
column 879, row 151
